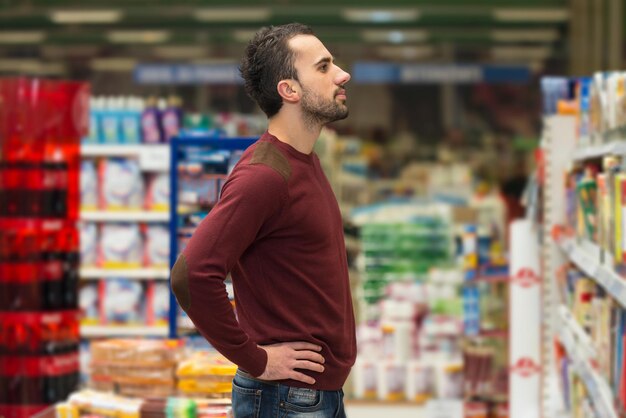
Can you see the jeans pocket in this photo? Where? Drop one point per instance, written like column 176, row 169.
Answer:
column 304, row 400
column 246, row 401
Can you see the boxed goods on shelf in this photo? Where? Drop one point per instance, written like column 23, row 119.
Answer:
column 408, row 339
column 135, row 367
column 124, row 302
column 585, row 215
column 93, row 403
column 206, row 374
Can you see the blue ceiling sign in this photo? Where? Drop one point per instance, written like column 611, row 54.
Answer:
column 187, row 74
column 389, row 73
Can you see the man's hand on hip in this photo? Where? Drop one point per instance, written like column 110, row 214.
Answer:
column 284, row 358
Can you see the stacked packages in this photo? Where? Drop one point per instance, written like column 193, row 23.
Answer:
column 135, row 367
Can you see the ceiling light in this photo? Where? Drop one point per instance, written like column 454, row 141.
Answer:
column 140, row 37
column 113, row 64
column 244, row 35
column 536, row 66
column 55, row 51
column 531, row 15
column 380, row 15
column 22, row 37
column 394, row 36
column 406, row 52
column 179, row 52
column 86, row 16
column 31, row 66
column 523, row 53
column 526, row 35
column 243, row 14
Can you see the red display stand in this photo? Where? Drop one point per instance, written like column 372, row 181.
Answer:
column 41, row 124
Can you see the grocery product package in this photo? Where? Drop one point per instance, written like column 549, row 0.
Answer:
column 135, row 367
column 121, row 246
column 122, row 302
column 206, row 374
column 121, row 184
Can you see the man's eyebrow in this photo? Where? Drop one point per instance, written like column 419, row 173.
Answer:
column 324, row 60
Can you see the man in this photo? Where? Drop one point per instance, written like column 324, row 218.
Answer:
column 277, row 229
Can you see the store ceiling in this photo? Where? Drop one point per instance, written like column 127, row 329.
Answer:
column 91, row 32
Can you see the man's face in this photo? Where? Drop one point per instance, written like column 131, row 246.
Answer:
column 322, row 82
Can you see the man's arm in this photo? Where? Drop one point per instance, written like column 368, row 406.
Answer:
column 252, row 195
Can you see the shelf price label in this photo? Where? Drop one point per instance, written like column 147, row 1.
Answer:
column 154, row 158
column 444, row 408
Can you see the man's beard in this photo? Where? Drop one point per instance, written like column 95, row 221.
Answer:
column 320, row 111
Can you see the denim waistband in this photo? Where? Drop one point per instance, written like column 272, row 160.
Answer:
column 247, row 375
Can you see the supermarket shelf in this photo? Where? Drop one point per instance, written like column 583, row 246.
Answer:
column 95, row 331
column 125, row 216
column 117, row 150
column 135, row 274
column 597, row 387
column 568, row 321
column 615, row 147
column 150, row 157
column 586, row 256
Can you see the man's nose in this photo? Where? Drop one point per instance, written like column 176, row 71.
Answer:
column 343, row 77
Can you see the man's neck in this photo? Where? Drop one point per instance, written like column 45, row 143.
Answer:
column 292, row 130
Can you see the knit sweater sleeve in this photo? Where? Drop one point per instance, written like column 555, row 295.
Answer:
column 251, row 196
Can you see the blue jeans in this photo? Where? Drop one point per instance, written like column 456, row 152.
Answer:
column 254, row 398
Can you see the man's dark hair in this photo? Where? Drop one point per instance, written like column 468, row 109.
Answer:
column 267, row 60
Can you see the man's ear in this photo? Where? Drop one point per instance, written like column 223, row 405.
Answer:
column 289, row 90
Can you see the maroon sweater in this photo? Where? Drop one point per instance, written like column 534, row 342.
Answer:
column 277, row 229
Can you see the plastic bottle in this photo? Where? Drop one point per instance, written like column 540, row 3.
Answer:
column 172, row 119
column 131, row 120
column 151, row 128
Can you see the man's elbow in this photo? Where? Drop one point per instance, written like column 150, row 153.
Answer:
column 180, row 282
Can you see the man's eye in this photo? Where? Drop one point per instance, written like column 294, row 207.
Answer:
column 324, row 68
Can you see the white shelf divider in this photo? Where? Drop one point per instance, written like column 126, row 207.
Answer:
column 578, row 351
column 124, row 216
column 151, row 157
column 615, row 147
column 102, row 331
column 585, row 342
column 134, row 274
column 117, row 150
column 584, row 256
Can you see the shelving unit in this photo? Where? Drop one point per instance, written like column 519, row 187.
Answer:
column 581, row 352
column 151, row 158
column 586, row 256
column 558, row 145
column 231, row 144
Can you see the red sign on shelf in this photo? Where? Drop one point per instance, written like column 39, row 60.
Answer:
column 526, row 277
column 525, row 367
